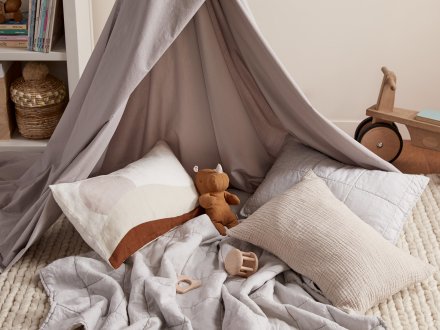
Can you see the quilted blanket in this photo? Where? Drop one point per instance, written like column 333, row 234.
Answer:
column 141, row 294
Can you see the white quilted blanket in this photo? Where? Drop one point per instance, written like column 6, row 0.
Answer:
column 141, row 294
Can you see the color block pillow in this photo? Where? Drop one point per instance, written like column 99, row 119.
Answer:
column 119, row 213
column 319, row 237
column 381, row 199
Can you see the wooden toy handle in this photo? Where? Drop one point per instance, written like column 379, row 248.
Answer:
column 385, row 70
column 385, row 101
column 390, row 77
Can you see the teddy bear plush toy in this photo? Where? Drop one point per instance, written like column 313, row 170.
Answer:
column 10, row 10
column 214, row 198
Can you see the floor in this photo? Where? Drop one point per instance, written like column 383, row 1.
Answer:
column 418, row 160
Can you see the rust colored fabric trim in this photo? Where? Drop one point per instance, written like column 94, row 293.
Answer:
column 142, row 234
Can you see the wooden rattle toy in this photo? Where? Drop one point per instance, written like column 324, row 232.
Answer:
column 241, row 263
column 191, row 284
column 379, row 131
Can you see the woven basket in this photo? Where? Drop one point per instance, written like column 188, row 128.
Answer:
column 38, row 122
column 38, row 93
column 39, row 101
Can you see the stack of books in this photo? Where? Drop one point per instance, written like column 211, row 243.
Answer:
column 45, row 24
column 14, row 34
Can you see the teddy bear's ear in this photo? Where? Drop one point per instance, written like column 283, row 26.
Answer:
column 196, row 169
column 219, row 169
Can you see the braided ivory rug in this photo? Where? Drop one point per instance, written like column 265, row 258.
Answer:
column 24, row 304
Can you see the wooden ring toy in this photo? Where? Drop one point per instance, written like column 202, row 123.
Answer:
column 191, row 284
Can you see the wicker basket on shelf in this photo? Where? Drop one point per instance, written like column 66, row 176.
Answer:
column 39, row 99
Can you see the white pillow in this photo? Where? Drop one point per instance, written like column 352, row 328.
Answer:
column 381, row 199
column 119, row 213
column 320, row 238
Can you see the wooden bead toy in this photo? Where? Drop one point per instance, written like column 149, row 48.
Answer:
column 241, row 263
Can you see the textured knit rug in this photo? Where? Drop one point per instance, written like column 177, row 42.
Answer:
column 418, row 307
column 23, row 301
column 24, row 304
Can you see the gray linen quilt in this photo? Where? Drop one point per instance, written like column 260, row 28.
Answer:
column 141, row 294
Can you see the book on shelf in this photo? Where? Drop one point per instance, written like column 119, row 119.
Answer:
column 9, row 71
column 56, row 26
column 31, row 20
column 14, row 25
column 14, row 43
column 45, row 24
column 429, row 116
column 14, row 37
column 13, row 32
column 42, row 20
column 37, row 22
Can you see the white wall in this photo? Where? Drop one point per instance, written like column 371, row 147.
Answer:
column 101, row 9
column 334, row 50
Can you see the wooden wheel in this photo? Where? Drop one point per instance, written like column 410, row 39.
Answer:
column 364, row 123
column 383, row 139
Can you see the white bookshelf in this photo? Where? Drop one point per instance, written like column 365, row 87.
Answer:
column 58, row 53
column 20, row 143
column 67, row 59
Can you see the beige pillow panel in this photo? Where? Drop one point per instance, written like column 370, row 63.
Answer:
column 320, row 237
column 119, row 213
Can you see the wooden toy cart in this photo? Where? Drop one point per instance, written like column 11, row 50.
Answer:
column 380, row 134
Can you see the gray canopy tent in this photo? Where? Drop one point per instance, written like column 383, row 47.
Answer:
column 195, row 73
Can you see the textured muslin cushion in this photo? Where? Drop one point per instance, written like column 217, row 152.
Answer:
column 381, row 199
column 119, row 213
column 319, row 237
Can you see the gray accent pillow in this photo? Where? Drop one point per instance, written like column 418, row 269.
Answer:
column 319, row 237
column 381, row 199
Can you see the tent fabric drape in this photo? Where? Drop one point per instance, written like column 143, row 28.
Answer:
column 196, row 74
